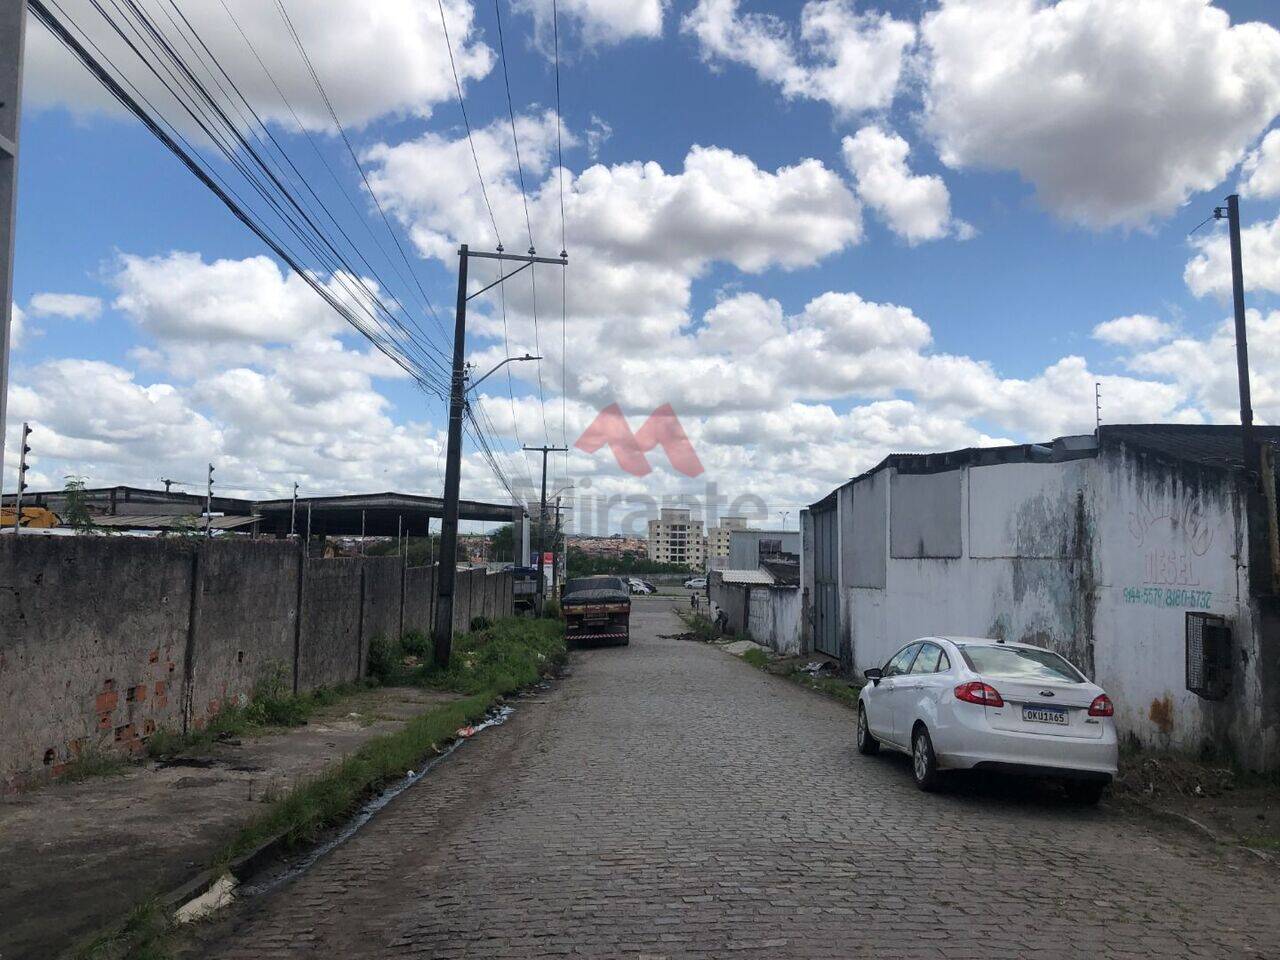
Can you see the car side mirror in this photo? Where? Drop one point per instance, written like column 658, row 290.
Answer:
column 874, row 675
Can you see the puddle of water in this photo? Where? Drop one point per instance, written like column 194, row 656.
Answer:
column 366, row 812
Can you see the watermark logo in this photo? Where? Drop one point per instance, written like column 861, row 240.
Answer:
column 662, row 429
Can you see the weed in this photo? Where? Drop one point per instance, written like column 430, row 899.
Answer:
column 836, row 688
column 480, row 623
column 700, row 626
column 92, row 762
column 756, row 657
column 486, row 664
column 143, row 936
column 418, row 644
column 551, row 610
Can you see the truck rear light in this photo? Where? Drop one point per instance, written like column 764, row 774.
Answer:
column 1101, row 706
column 983, row 694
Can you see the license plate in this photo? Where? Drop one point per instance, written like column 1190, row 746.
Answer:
column 1045, row 715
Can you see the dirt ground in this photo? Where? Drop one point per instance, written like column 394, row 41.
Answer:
column 1236, row 807
column 78, row 856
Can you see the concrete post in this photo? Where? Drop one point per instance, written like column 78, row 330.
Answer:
column 13, row 23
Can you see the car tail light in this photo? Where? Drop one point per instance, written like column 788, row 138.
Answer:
column 1101, row 706
column 984, row 694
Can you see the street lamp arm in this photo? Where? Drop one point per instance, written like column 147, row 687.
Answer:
column 499, row 367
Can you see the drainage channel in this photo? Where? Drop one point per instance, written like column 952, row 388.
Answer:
column 226, row 890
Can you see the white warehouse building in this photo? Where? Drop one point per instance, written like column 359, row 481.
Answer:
column 1145, row 555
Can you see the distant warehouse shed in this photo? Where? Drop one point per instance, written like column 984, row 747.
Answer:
column 1146, row 554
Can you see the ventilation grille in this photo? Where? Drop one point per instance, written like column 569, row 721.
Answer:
column 1208, row 655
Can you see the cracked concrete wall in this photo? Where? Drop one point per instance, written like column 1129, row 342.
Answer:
column 329, row 648
column 419, row 599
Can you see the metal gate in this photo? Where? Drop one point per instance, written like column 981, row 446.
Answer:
column 826, row 602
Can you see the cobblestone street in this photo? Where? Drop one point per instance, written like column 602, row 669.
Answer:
column 668, row 800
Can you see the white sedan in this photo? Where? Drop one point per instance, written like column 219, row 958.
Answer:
column 961, row 703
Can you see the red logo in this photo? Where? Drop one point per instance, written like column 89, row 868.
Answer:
column 661, row 429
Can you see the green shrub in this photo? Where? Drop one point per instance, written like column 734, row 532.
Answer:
column 757, row 658
column 551, row 610
column 416, row 643
column 480, row 623
column 510, row 654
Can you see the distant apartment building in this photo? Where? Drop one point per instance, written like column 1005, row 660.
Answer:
column 675, row 537
column 718, row 537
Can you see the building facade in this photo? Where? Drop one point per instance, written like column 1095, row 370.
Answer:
column 675, row 537
column 1145, row 555
column 749, row 548
column 718, row 538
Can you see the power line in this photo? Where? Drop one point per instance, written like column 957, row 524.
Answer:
column 462, row 106
column 195, row 99
column 315, row 77
column 511, row 112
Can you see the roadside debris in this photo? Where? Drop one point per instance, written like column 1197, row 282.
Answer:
column 219, row 895
column 820, row 668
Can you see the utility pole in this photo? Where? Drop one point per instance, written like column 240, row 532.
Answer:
column 1097, row 409
column 542, row 522
column 1250, row 447
column 555, row 551
column 22, row 478
column 442, row 640
column 293, row 510
column 208, row 504
column 13, row 24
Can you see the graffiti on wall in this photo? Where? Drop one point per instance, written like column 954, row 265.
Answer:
column 1173, row 537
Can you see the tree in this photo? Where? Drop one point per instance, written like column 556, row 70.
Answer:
column 75, row 510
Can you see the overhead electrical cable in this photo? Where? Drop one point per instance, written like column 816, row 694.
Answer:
column 135, row 28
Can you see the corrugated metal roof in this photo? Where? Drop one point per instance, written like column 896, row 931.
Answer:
column 753, row 577
column 1206, row 445
column 190, row 522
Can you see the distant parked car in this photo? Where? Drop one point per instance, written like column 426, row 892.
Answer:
column 639, row 586
column 955, row 703
column 696, row 583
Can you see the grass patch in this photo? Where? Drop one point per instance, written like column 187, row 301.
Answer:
column 833, row 687
column 273, row 705
column 757, row 658
column 486, row 664
column 92, row 762
column 144, row 936
column 699, row 625
column 501, row 656
column 335, row 793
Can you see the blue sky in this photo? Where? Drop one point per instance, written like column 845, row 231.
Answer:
column 1031, row 165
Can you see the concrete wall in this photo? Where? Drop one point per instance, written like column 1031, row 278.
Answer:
column 245, row 623
column 93, row 638
column 1099, row 559
column 773, row 618
column 329, row 650
column 419, row 599
column 744, row 546
column 104, row 640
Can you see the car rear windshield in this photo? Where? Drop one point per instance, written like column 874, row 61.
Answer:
column 1020, row 663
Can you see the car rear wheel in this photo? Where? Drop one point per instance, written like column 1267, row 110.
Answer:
column 1087, row 793
column 924, row 763
column 867, row 744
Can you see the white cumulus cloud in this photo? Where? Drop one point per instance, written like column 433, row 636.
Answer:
column 70, row 306
column 916, row 208
column 1261, row 169
column 375, row 59
column 853, row 61
column 1208, row 273
column 601, row 21
column 1133, row 331
column 1117, row 111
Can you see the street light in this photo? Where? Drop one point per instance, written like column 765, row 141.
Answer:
column 499, row 367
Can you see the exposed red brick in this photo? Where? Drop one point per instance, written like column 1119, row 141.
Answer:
column 161, row 686
column 106, row 701
column 154, row 656
column 104, row 721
